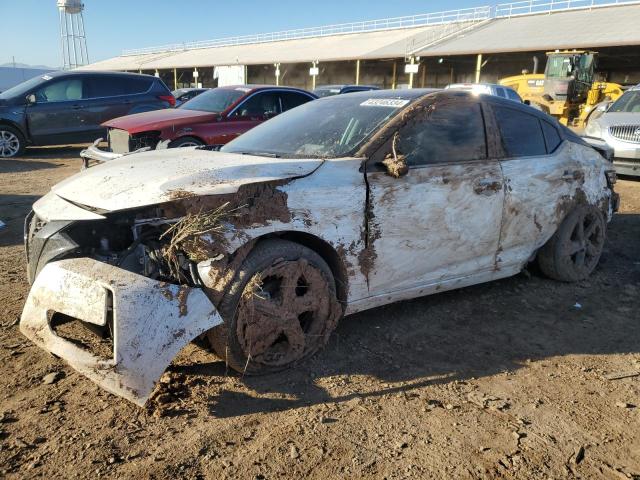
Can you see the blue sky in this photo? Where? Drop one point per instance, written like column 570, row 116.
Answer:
column 30, row 32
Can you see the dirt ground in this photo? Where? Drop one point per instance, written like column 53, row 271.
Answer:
column 512, row 379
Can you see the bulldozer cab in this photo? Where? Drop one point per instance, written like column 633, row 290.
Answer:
column 569, row 75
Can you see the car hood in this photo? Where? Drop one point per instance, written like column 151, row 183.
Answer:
column 159, row 176
column 160, row 119
column 619, row 118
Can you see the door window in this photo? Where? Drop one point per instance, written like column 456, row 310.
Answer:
column 451, row 132
column 551, row 136
column 500, row 92
column 61, row 91
column 261, row 105
column 512, row 95
column 112, row 86
column 293, row 99
column 521, row 133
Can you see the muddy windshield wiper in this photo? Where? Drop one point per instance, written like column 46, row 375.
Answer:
column 260, row 154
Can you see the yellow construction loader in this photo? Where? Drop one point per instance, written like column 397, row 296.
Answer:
column 567, row 89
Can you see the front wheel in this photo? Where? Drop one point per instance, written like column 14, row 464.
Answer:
column 186, row 142
column 574, row 250
column 12, row 142
column 280, row 308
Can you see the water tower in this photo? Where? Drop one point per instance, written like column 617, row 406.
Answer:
column 72, row 37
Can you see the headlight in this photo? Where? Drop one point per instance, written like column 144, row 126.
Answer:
column 593, row 130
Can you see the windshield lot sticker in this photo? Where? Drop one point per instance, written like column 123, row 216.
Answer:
column 384, row 102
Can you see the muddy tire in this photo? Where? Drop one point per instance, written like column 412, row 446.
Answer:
column 574, row 250
column 186, row 142
column 280, row 308
column 12, row 142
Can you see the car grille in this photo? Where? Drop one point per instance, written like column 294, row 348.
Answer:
column 118, row 140
column 627, row 133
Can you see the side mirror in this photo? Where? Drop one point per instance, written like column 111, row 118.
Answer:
column 31, row 99
column 527, row 102
column 268, row 115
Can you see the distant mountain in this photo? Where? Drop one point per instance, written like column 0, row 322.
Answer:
column 24, row 65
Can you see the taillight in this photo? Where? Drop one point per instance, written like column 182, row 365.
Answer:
column 168, row 98
column 612, row 178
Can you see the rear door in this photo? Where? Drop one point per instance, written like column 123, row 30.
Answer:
column 441, row 222
column 112, row 96
column 55, row 118
column 291, row 100
column 540, row 170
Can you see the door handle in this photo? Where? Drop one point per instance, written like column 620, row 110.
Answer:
column 487, row 186
column 76, row 107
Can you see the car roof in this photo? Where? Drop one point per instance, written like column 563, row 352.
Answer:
column 62, row 73
column 346, row 85
column 405, row 94
column 471, row 85
column 250, row 88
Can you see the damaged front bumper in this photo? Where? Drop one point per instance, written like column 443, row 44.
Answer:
column 100, row 156
column 151, row 321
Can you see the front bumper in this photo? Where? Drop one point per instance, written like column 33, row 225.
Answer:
column 627, row 166
column 95, row 154
column 151, row 321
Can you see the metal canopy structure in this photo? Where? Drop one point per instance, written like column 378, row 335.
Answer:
column 530, row 25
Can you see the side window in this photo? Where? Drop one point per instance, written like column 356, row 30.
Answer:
column 451, row 132
column 521, row 133
column 61, row 91
column 111, row 86
column 264, row 104
column 293, row 99
column 551, row 136
column 500, row 92
column 512, row 95
column 137, row 85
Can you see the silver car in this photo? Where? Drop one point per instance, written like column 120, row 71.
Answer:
column 487, row 89
column 619, row 126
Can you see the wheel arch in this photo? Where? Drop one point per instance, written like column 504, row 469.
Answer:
column 197, row 137
column 323, row 248
column 12, row 124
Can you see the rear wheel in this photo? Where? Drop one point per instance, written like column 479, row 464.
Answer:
column 574, row 250
column 280, row 308
column 186, row 142
column 12, row 142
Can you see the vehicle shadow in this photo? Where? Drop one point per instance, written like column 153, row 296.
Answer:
column 13, row 209
column 459, row 335
column 40, row 158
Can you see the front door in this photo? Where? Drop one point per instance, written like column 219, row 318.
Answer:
column 440, row 223
column 55, row 117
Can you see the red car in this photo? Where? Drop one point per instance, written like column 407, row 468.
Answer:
column 214, row 117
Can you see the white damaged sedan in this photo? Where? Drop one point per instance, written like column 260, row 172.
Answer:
column 337, row 206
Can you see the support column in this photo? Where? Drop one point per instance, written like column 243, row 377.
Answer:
column 314, row 71
column 175, row 78
column 424, row 74
column 395, row 74
column 358, row 72
column 478, row 67
column 411, row 62
column 277, row 65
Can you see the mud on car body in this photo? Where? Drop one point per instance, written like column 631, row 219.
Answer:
column 340, row 205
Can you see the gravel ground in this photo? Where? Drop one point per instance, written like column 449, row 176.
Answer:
column 512, row 379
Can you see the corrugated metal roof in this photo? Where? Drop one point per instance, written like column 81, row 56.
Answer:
column 600, row 27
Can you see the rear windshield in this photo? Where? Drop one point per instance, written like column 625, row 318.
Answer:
column 629, row 102
column 331, row 127
column 216, row 100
